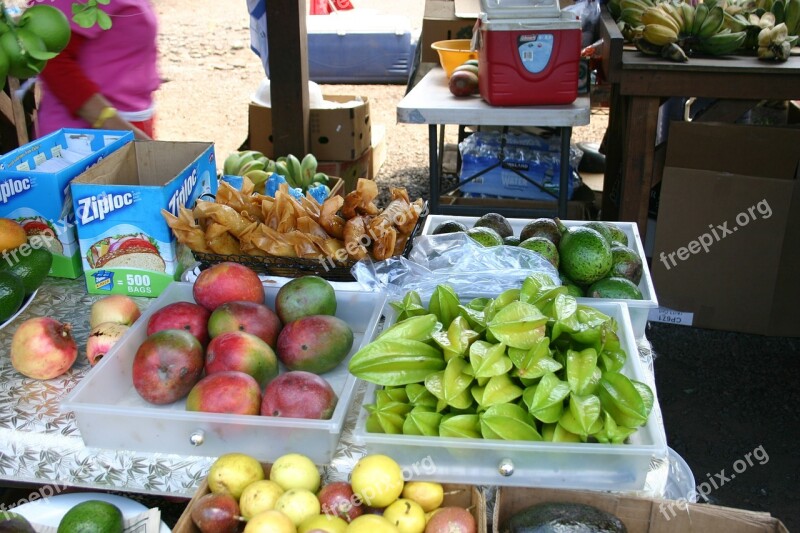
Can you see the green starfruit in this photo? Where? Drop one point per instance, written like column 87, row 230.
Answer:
column 451, row 386
column 419, row 396
column 613, row 433
column 444, row 304
column 422, row 422
column 498, row 303
column 389, row 395
column 395, row 362
column 508, row 422
column 556, row 433
column 498, row 390
column 582, row 372
column 518, row 325
column 456, row 341
column 488, row 360
column 535, row 362
column 419, row 328
column 585, row 410
column 622, row 400
column 388, row 417
column 545, row 401
column 409, row 306
column 462, row 426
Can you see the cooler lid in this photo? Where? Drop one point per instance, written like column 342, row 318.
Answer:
column 564, row 20
column 516, row 9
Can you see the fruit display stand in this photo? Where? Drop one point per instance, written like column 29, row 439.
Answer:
column 639, row 84
column 430, row 102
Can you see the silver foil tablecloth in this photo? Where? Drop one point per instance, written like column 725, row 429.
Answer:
column 41, row 444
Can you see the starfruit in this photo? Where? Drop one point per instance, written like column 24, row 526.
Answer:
column 508, row 422
column 389, row 417
column 451, row 385
column 613, row 433
column 478, row 304
column 462, row 426
column 475, row 318
column 556, row 433
column 571, row 424
column 502, row 300
column 586, row 412
column 533, row 285
column 410, row 305
column 612, row 360
column 648, row 398
column 456, row 341
column 535, row 362
column 488, row 360
column 498, row 390
column 622, row 400
column 518, row 325
column 419, row 396
column 444, row 304
column 389, row 395
column 419, row 328
column 545, row 401
column 395, row 362
column 582, row 372
column 422, row 422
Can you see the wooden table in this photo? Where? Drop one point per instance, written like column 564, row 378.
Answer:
column 640, row 83
column 430, row 102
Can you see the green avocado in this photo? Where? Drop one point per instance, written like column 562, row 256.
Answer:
column 485, row 236
column 617, row 235
column 511, row 241
column 11, row 522
column 617, row 288
column 12, row 294
column 603, row 228
column 31, row 268
column 544, row 247
column 561, row 517
column 626, row 263
column 92, row 516
column 497, row 222
column 449, row 226
column 585, row 254
column 541, row 227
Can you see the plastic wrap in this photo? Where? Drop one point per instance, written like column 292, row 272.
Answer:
column 457, row 260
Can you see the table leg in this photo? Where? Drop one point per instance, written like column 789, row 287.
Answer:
column 612, row 147
column 564, row 176
column 638, row 146
column 435, row 176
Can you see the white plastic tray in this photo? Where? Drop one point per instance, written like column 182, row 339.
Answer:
column 592, row 466
column 111, row 414
column 639, row 309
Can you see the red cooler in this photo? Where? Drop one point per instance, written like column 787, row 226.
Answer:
column 529, row 54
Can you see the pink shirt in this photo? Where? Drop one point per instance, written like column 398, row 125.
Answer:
column 122, row 61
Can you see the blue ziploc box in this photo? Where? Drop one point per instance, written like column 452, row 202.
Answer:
column 34, row 189
column 126, row 245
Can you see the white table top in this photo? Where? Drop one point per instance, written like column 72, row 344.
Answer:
column 430, row 102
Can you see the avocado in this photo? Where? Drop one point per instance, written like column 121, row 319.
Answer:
column 617, row 235
column 562, row 517
column 602, row 228
column 14, row 523
column 12, row 294
column 572, row 288
column 617, row 288
column 485, row 236
column 544, row 247
column 626, row 263
column 541, row 227
column 31, row 268
column 92, row 516
column 496, row 222
column 585, row 254
column 511, row 241
column 449, row 226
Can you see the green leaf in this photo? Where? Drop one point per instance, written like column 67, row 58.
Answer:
column 103, row 20
column 518, row 325
column 498, row 390
column 85, row 19
column 462, row 426
column 545, row 401
column 488, row 360
column 41, row 54
column 508, row 422
column 582, row 372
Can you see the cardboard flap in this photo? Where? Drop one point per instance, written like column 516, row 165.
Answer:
column 763, row 151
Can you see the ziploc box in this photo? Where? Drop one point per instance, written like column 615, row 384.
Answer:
column 34, row 188
column 126, row 245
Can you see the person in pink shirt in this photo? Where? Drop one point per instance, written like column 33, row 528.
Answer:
column 103, row 78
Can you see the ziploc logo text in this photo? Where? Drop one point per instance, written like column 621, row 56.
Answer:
column 94, row 207
column 13, row 186
column 182, row 195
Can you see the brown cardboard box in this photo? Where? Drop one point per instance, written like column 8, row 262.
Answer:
column 440, row 23
column 641, row 515
column 466, row 496
column 379, row 150
column 727, row 244
column 348, row 171
column 342, row 134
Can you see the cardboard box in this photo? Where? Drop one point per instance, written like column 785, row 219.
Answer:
column 349, row 171
column 727, row 247
column 440, row 23
column 380, row 150
column 641, row 515
column 455, row 495
column 126, row 245
column 39, row 198
column 341, row 134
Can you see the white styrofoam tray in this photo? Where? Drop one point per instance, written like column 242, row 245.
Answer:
column 593, row 466
column 111, row 414
column 638, row 309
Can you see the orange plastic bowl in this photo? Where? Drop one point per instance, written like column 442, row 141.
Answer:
column 454, row 52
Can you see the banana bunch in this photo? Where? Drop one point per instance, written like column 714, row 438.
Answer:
column 300, row 174
column 775, row 42
column 250, row 163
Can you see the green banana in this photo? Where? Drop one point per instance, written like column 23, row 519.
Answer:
column 712, row 23
column 634, row 4
column 308, row 167
column 293, row 164
column 656, row 16
column 320, row 177
column 255, row 164
column 392, row 362
column 687, row 13
column 270, row 166
column 674, row 52
column 791, row 16
column 700, row 14
column 632, row 17
column 722, row 43
column 258, row 177
column 282, row 170
column 778, row 9
column 231, row 165
column 736, row 22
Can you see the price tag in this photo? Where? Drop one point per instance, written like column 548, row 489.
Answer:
column 671, row 316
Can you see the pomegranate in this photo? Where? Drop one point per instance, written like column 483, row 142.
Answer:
column 101, row 338
column 43, row 348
